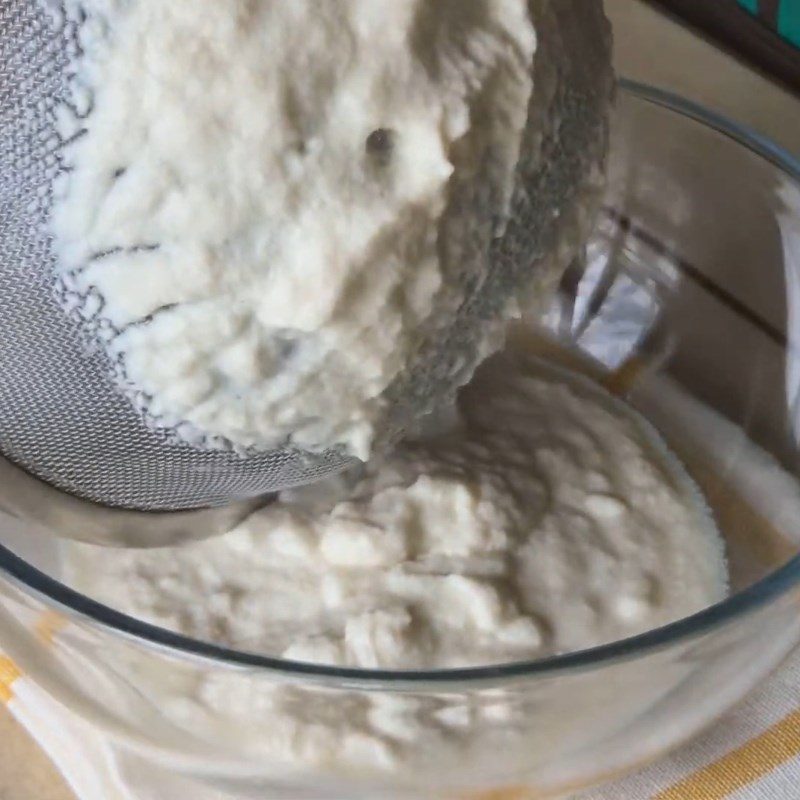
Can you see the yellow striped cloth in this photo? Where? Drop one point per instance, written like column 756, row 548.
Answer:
column 751, row 754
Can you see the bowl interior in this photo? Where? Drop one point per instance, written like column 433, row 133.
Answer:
column 685, row 305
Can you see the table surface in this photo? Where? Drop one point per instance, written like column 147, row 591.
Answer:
column 649, row 48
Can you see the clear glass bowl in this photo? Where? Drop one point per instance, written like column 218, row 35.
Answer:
column 687, row 305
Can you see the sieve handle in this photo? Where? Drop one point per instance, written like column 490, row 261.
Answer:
column 69, row 517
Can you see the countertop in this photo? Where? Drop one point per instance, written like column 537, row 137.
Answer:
column 653, row 49
column 649, row 48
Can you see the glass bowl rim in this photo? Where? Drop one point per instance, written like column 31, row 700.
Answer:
column 761, row 593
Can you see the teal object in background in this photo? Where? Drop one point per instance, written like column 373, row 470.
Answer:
column 789, row 21
column 787, row 18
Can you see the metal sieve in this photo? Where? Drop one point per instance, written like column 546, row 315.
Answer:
column 76, row 455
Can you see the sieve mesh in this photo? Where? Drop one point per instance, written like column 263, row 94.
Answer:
column 62, row 417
